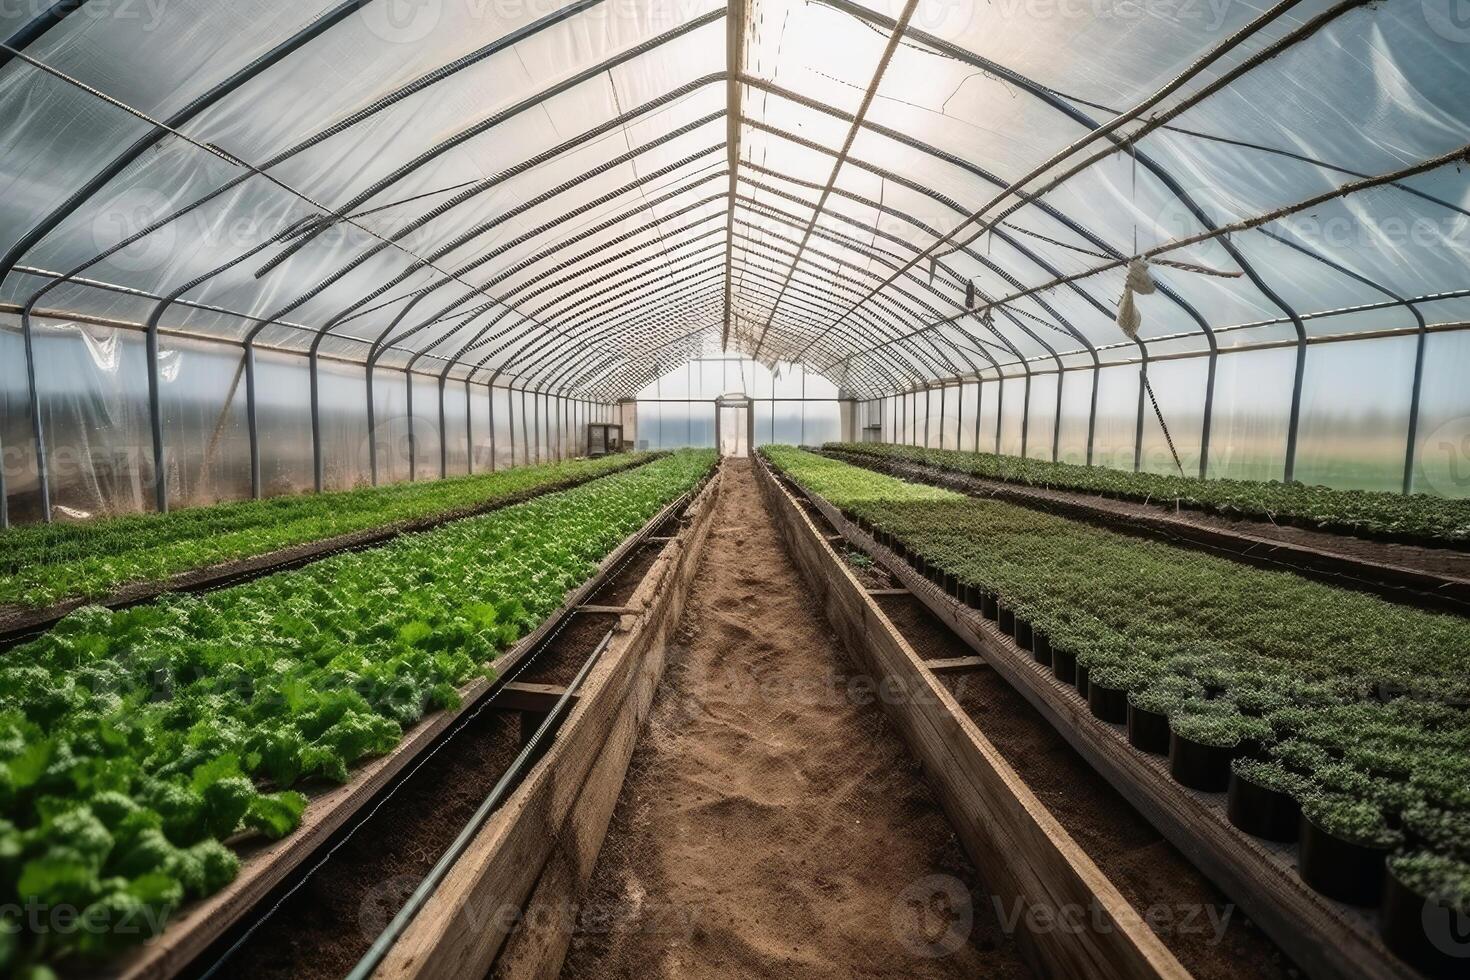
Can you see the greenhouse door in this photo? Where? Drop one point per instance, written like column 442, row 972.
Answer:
column 734, row 425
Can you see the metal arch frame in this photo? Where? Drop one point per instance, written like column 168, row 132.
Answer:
column 1421, row 335
column 1106, row 130
column 485, row 125
column 895, row 36
column 877, row 318
column 957, row 279
column 475, row 342
column 228, row 86
column 528, row 262
column 182, row 117
column 870, row 251
column 1044, row 206
column 383, row 337
column 1295, row 319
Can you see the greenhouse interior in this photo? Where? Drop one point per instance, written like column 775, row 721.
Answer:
column 773, row 488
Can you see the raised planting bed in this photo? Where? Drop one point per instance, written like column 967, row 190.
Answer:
column 1419, row 518
column 1356, row 698
column 154, row 734
column 47, row 571
column 1024, row 855
column 509, row 903
column 1429, row 577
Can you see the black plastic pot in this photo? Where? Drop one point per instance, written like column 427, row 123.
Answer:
column 1006, row 620
column 1108, row 703
column 920, row 564
column 990, row 606
column 1064, row 665
column 973, row 597
column 1023, row 633
column 1040, row 647
column 1199, row 766
column 1080, row 680
column 1424, row 933
column 952, row 585
column 1148, row 731
column 1265, row 813
column 1341, row 869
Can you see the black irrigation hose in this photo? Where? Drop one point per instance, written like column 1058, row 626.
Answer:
column 675, row 509
column 507, row 784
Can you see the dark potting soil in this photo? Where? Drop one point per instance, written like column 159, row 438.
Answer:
column 619, row 588
column 1209, row 934
column 560, row 659
column 321, row 931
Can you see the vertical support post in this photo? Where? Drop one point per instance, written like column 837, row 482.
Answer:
column 4, row 494
column 413, row 465
column 43, row 477
column 443, row 435
column 1056, row 426
column 536, row 423
column 1092, row 411
column 1025, row 411
column 1138, row 430
column 492, row 425
column 1294, row 420
column 1000, row 408
column 979, row 406
column 1207, row 423
column 155, row 419
column 372, row 426
column 943, row 397
column 313, row 370
column 803, row 405
column 959, row 426
column 1413, row 443
column 469, row 429
column 251, row 423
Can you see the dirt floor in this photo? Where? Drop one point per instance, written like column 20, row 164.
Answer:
column 1212, row 937
column 772, row 825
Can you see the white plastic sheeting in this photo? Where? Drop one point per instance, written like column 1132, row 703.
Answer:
column 538, row 196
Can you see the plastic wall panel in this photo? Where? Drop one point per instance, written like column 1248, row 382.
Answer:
column 1076, row 410
column 390, row 425
column 17, row 454
column 1042, row 429
column 1117, row 417
column 823, row 423
column 1252, row 405
column 1013, row 415
column 456, row 445
column 343, row 402
column 1179, row 387
column 1355, row 413
column 426, row 433
column 283, row 423
column 93, row 391
column 1442, row 451
column 989, row 415
column 205, row 429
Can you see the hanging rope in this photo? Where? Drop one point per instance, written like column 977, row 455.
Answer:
column 1143, row 374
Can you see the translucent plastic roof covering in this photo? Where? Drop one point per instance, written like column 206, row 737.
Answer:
column 543, row 191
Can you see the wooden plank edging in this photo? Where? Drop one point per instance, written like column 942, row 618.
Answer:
column 1325, row 938
column 1022, row 852
column 497, row 908
column 198, row 925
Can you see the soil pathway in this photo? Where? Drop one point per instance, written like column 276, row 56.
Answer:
column 772, row 824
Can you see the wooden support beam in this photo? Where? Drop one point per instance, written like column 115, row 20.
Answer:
column 610, row 610
column 536, row 699
column 883, row 592
column 956, row 664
